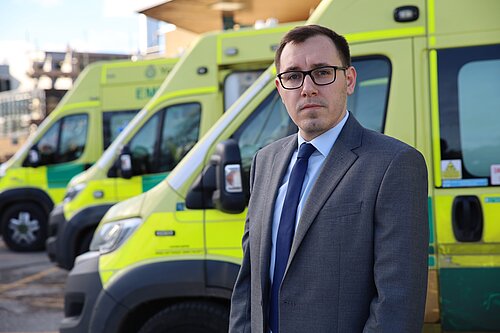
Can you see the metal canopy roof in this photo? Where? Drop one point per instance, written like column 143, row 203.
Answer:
column 200, row 16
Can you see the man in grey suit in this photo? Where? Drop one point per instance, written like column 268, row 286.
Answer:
column 336, row 234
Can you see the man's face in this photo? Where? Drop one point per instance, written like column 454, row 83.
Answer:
column 315, row 109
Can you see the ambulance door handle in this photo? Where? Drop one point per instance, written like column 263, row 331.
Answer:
column 467, row 218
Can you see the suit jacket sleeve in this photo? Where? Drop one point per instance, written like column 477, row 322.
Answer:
column 400, row 246
column 239, row 319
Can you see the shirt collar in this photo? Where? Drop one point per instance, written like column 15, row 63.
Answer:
column 324, row 142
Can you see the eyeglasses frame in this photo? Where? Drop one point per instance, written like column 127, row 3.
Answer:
column 305, row 73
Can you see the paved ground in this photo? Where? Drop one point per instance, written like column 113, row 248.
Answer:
column 31, row 292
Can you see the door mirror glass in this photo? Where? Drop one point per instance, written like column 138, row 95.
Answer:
column 33, row 157
column 232, row 178
column 126, row 163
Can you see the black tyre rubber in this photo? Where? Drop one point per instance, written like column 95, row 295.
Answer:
column 189, row 317
column 24, row 227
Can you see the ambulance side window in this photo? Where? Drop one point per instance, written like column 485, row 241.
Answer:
column 64, row 141
column 368, row 103
column 142, row 147
column 165, row 138
column 47, row 146
column 73, row 137
column 236, row 83
column 181, row 129
column 469, row 115
column 113, row 123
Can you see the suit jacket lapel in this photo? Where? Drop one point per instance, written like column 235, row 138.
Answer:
column 336, row 164
column 277, row 172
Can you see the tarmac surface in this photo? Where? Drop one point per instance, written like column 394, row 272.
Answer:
column 31, row 292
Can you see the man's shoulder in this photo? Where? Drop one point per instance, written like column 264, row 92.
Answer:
column 379, row 143
column 277, row 145
column 363, row 139
column 376, row 138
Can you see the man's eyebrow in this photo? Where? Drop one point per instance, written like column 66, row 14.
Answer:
column 297, row 68
column 321, row 64
column 292, row 68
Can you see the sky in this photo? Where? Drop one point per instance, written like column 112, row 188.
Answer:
column 110, row 26
column 103, row 26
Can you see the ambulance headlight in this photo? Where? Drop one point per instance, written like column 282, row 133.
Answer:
column 109, row 236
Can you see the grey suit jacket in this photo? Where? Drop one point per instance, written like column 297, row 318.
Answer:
column 358, row 261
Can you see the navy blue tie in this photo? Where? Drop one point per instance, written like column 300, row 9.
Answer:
column 286, row 228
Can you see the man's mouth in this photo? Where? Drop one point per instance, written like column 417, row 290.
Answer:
column 310, row 106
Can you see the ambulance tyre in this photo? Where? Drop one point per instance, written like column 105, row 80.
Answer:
column 24, row 227
column 192, row 317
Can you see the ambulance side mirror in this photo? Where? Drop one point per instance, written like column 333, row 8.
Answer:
column 125, row 163
column 33, row 158
column 228, row 196
column 220, row 183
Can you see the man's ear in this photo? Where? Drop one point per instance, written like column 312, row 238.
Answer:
column 277, row 82
column 279, row 88
column 350, row 76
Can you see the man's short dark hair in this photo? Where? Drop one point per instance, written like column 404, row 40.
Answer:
column 300, row 34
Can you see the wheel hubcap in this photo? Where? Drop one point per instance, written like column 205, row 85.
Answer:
column 24, row 228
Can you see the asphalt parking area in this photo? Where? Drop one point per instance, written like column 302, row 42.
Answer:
column 31, row 292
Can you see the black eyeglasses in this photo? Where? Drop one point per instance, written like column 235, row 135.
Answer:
column 321, row 76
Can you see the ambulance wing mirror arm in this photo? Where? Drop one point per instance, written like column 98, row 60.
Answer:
column 229, row 196
column 125, row 163
column 200, row 194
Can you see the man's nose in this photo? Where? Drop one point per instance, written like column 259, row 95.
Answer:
column 309, row 88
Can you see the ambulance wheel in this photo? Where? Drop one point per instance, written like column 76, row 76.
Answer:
column 189, row 317
column 24, row 227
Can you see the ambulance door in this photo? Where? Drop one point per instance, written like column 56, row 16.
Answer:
column 61, row 152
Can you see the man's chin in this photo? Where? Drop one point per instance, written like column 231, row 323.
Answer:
column 311, row 130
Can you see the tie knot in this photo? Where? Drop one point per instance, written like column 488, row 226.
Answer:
column 306, row 150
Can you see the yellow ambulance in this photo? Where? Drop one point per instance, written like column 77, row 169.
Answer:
column 428, row 74
column 105, row 97
column 207, row 80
